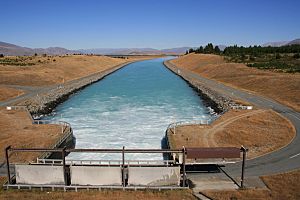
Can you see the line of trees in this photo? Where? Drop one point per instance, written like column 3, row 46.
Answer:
column 258, row 50
column 241, row 50
column 208, row 49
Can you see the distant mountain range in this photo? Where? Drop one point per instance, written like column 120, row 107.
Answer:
column 282, row 43
column 135, row 51
column 14, row 50
column 296, row 41
column 119, row 51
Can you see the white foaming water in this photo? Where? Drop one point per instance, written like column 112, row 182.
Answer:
column 131, row 107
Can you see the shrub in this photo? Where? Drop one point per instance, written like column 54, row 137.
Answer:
column 297, row 56
column 277, row 56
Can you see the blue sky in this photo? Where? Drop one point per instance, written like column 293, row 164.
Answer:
column 147, row 23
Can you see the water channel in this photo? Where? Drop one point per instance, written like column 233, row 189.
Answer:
column 131, row 107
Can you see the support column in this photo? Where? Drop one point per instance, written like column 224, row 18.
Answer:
column 244, row 151
column 63, row 154
column 183, row 167
column 7, row 163
column 123, row 166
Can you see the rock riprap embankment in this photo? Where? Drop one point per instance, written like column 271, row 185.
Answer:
column 46, row 100
column 217, row 101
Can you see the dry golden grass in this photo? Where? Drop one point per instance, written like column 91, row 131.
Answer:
column 262, row 131
column 95, row 195
column 282, row 87
column 7, row 93
column 281, row 186
column 64, row 68
column 17, row 130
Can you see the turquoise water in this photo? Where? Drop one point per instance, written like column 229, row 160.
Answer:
column 131, row 107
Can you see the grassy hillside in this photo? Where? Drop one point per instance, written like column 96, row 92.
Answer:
column 282, row 87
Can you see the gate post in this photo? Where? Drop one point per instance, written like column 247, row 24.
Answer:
column 183, row 166
column 244, row 150
column 123, row 166
column 7, row 164
column 63, row 154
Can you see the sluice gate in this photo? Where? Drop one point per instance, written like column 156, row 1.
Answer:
column 77, row 174
column 122, row 174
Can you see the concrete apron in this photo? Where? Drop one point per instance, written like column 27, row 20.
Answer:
column 220, row 181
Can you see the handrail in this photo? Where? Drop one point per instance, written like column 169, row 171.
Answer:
column 192, row 122
column 63, row 124
column 204, row 122
column 69, row 150
column 106, row 162
column 241, row 107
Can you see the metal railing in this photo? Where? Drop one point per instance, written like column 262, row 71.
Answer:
column 241, row 107
column 173, row 126
column 64, row 125
column 106, row 162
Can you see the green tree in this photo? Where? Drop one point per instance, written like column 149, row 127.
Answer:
column 201, row 50
column 191, row 50
column 252, row 58
column 217, row 50
column 243, row 57
column 209, row 48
